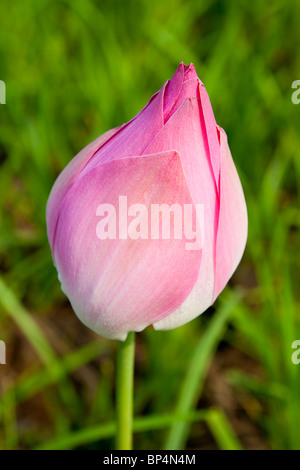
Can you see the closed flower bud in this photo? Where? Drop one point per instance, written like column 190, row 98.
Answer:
column 148, row 222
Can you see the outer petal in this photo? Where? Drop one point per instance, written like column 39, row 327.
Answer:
column 67, row 177
column 186, row 132
column 180, row 90
column 233, row 221
column 130, row 138
column 114, row 285
column 172, row 90
column 211, row 133
column 134, row 136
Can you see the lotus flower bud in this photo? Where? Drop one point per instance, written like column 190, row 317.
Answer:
column 148, row 222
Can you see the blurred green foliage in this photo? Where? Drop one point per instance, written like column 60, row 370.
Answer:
column 74, row 69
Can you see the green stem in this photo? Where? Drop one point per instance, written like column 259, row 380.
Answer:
column 124, row 392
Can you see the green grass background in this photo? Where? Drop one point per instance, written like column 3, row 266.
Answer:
column 74, row 69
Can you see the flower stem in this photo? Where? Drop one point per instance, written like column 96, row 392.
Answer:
column 124, row 392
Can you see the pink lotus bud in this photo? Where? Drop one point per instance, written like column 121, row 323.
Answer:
column 148, row 222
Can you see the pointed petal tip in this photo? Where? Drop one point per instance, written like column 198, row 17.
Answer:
column 190, row 72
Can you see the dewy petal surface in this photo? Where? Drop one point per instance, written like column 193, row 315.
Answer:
column 114, row 285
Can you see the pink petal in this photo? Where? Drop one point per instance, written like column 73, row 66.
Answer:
column 211, row 133
column 189, row 90
column 130, row 138
column 233, row 222
column 114, row 285
column 184, row 84
column 172, row 90
column 67, row 177
column 186, row 132
column 189, row 72
column 133, row 136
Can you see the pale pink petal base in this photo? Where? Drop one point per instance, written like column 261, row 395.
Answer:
column 117, row 286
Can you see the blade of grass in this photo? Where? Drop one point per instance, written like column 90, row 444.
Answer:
column 27, row 387
column 108, row 430
column 8, row 418
column 26, row 323
column 194, row 379
column 39, row 342
column 222, row 430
